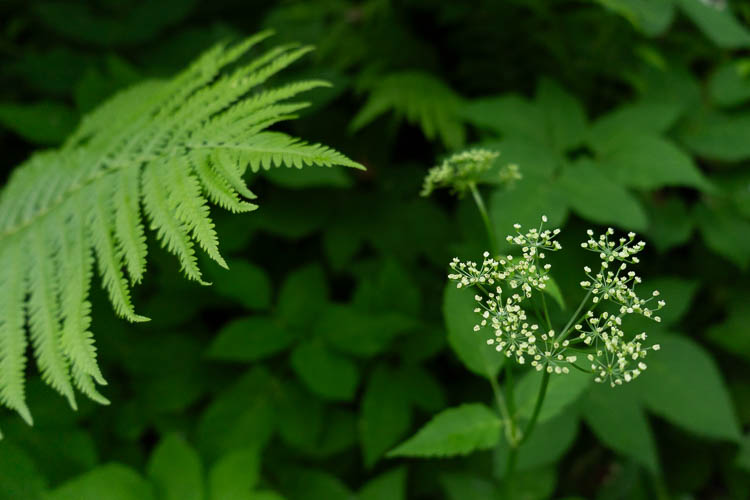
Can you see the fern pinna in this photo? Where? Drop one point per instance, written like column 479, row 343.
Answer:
column 163, row 147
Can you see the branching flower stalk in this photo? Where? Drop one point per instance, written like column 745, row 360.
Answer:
column 507, row 286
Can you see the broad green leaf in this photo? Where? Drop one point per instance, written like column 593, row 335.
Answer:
column 385, row 414
column 562, row 391
column 300, row 430
column 652, row 17
column 310, row 484
column 460, row 486
column 670, row 223
column 390, row 485
column 729, row 85
column 19, row 477
column 677, row 292
column 357, row 333
column 455, row 431
column 743, row 457
column 470, row 346
column 534, row 484
column 325, row 372
column 250, row 339
column 564, row 116
column 647, row 117
column 44, row 122
column 176, row 471
column 717, row 23
column 718, row 136
column 648, row 162
column 105, row 482
column 241, row 416
column 599, row 198
column 619, row 422
column 507, row 114
column 234, row 475
column 244, row 283
column 423, row 389
column 524, row 204
column 389, row 287
column 303, row 295
column 725, row 232
column 547, row 443
column 733, row 334
column 684, row 386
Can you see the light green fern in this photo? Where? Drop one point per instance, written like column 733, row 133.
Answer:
column 158, row 152
column 422, row 99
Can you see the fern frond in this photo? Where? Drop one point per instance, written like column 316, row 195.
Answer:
column 422, row 99
column 159, row 153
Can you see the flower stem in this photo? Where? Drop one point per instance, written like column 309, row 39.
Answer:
column 573, row 319
column 485, row 218
column 537, row 406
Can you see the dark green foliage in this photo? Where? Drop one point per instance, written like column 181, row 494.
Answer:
column 331, row 361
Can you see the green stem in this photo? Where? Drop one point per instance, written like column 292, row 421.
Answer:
column 573, row 319
column 503, row 409
column 485, row 218
column 537, row 406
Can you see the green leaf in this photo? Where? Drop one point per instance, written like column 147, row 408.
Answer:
column 105, row 482
column 600, row 199
column 678, row 293
column 241, row 416
column 564, row 116
column 733, row 334
column 385, row 414
column 357, row 333
column 455, row 431
column 176, row 471
column 234, row 475
column 326, row 373
column 670, row 223
column 718, row 24
column 718, row 136
column 310, row 484
column 524, row 204
column 562, row 391
column 244, row 283
column 45, row 122
column 303, row 296
column 643, row 117
column 460, row 486
column 389, row 485
column 684, row 385
column 470, row 346
column 743, row 457
column 652, row 17
column 549, row 441
column 729, row 85
column 422, row 99
column 725, row 232
column 508, row 114
column 250, row 339
column 620, row 423
column 648, row 162
column 20, row 477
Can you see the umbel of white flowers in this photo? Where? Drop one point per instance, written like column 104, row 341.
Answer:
column 508, row 283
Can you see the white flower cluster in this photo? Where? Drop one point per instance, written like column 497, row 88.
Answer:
column 514, row 335
column 614, row 359
column 618, row 286
column 462, row 170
